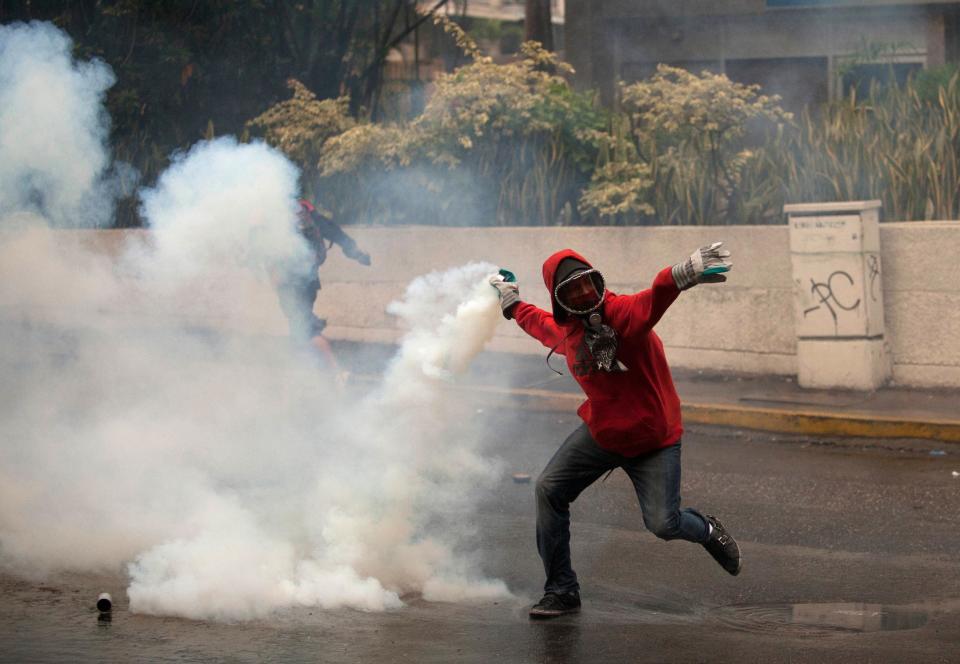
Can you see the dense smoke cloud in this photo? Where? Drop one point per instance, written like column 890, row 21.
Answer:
column 223, row 200
column 225, row 474
column 53, row 129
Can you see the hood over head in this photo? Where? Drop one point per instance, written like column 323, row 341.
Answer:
column 558, row 267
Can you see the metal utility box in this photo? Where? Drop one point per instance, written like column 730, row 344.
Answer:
column 838, row 294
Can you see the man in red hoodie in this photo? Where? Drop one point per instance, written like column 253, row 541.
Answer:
column 632, row 412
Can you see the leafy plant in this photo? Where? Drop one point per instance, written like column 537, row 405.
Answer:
column 515, row 144
column 900, row 145
column 700, row 141
column 299, row 126
column 514, row 139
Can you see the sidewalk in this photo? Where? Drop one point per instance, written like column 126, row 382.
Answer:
column 770, row 403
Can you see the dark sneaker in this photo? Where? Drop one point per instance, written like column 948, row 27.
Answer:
column 553, row 605
column 722, row 546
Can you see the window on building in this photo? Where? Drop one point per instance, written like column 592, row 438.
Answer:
column 808, row 3
column 800, row 82
column 951, row 36
column 860, row 77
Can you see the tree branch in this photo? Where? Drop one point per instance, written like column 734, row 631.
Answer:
column 403, row 35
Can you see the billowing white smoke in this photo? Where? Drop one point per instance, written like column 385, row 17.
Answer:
column 53, row 128
column 220, row 202
column 224, row 473
column 359, row 510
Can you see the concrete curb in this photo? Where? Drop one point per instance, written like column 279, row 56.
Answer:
column 813, row 422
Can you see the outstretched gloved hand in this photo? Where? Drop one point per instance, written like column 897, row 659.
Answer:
column 705, row 265
column 509, row 293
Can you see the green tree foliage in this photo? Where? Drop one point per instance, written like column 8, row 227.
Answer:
column 500, row 143
column 299, row 126
column 497, row 143
column 686, row 152
column 514, row 144
column 186, row 67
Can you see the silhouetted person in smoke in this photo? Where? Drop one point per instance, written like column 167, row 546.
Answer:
column 632, row 412
column 297, row 289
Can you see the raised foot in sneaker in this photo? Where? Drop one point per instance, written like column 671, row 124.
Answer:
column 553, row 605
column 722, row 546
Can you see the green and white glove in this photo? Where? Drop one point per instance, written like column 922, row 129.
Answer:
column 508, row 291
column 705, row 265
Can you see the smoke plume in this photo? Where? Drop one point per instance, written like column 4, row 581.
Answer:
column 148, row 431
column 53, row 129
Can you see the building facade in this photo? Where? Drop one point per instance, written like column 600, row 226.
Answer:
column 807, row 51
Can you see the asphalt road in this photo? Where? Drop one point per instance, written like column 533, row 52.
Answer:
column 850, row 555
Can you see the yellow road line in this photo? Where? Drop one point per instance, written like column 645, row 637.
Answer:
column 822, row 422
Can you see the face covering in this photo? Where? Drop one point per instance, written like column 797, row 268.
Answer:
column 601, row 340
column 580, row 293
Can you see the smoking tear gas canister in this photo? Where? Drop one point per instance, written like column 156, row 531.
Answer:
column 104, row 603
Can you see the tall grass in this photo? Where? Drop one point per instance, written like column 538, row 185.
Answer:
column 496, row 144
column 898, row 145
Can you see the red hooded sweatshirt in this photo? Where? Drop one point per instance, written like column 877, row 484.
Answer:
column 629, row 412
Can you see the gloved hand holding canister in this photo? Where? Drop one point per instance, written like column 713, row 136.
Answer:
column 705, row 265
column 508, row 290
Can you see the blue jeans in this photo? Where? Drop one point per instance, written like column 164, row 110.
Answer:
column 575, row 466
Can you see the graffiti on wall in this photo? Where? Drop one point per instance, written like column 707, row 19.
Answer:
column 840, row 298
column 873, row 272
column 825, row 294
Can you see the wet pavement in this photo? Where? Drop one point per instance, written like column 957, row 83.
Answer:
column 850, row 555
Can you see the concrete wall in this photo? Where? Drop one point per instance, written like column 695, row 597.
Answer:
column 658, row 8
column 772, row 35
column 745, row 325
column 739, row 327
column 922, row 301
